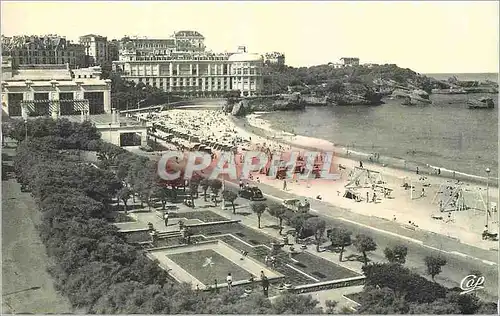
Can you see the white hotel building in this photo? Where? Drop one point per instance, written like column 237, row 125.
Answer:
column 181, row 65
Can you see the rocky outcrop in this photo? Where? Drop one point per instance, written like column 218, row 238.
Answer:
column 284, row 102
column 314, row 100
column 296, row 101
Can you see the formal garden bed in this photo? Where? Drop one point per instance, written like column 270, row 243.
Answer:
column 204, row 216
column 208, row 265
column 320, row 268
column 121, row 218
column 356, row 297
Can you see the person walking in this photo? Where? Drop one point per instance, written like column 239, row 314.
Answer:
column 229, row 281
column 265, row 286
column 165, row 219
column 153, row 235
column 360, row 164
column 423, row 193
column 367, row 197
column 284, row 185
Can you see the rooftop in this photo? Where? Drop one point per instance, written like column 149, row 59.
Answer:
column 245, row 57
column 104, row 120
column 187, row 33
column 93, row 35
column 37, row 75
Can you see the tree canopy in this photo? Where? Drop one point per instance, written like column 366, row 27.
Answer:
column 94, row 266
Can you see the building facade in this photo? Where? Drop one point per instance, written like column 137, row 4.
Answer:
column 96, row 49
column 40, row 90
column 42, row 50
column 274, row 58
column 181, row 65
column 350, row 61
column 113, row 50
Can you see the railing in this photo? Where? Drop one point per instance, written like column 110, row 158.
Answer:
column 327, row 285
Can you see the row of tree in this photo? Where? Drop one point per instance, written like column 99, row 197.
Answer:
column 390, row 287
column 100, row 272
column 323, row 79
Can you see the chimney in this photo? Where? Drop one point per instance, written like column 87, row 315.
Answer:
column 82, row 117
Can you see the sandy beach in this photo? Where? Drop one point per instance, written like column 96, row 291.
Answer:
column 403, row 206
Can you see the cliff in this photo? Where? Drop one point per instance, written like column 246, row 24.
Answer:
column 283, row 102
column 297, row 101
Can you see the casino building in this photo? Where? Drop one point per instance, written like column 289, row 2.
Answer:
column 54, row 90
column 182, row 65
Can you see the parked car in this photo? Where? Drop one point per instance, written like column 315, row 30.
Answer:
column 251, row 193
column 297, row 205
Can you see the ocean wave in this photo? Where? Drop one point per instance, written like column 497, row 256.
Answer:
column 339, row 148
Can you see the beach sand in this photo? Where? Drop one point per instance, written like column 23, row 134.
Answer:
column 464, row 225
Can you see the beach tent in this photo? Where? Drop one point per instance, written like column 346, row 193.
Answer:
column 350, row 194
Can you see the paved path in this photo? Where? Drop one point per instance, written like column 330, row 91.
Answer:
column 24, row 259
column 461, row 258
column 420, row 243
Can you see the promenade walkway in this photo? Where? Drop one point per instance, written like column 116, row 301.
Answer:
column 462, row 258
column 27, row 287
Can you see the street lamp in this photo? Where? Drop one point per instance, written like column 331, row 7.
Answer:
column 487, row 194
column 24, row 114
column 25, row 129
column 139, row 103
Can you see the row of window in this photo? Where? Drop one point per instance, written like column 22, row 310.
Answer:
column 192, row 72
column 44, row 60
column 95, row 99
column 155, row 45
column 159, row 58
column 18, row 52
column 198, row 82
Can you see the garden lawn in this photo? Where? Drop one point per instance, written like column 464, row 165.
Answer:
column 320, row 268
column 193, row 263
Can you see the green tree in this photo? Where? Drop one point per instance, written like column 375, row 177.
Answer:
column 330, row 306
column 124, row 194
column 382, row 301
column 317, row 226
column 364, row 244
column 205, row 185
column 278, row 211
column 434, row 265
column 396, row 254
column 340, row 237
column 230, row 196
column 296, row 304
column 215, row 187
column 298, row 223
column 258, row 208
column 193, row 188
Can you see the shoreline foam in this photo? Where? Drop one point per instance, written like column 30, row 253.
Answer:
column 312, row 143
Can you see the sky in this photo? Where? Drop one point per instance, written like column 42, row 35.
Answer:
column 426, row 36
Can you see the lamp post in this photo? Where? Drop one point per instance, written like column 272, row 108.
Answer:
column 25, row 129
column 24, row 114
column 487, row 194
column 139, row 103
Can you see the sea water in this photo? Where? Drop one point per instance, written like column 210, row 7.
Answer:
column 445, row 134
